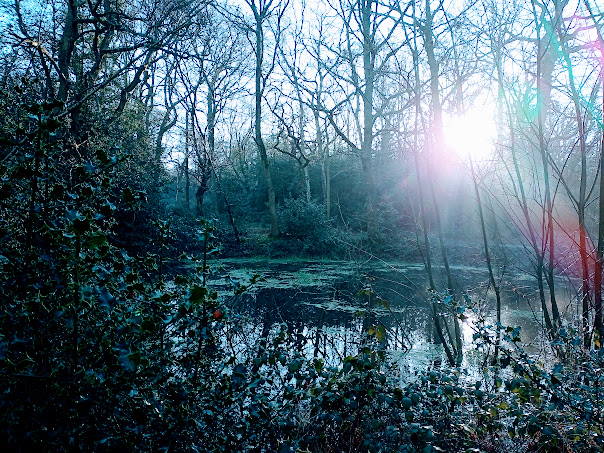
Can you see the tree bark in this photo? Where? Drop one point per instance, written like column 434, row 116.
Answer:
column 487, row 255
column 369, row 117
column 598, row 324
column 545, row 66
column 259, row 16
column 436, row 139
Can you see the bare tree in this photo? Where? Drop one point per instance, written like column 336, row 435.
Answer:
column 598, row 325
column 267, row 17
column 102, row 47
column 365, row 48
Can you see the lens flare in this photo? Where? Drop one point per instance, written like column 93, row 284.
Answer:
column 470, row 134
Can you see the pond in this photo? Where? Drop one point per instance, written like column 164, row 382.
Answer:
column 327, row 305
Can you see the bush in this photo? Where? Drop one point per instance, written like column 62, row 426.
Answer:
column 301, row 219
column 553, row 406
column 304, row 222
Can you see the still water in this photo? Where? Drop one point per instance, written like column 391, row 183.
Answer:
column 327, row 305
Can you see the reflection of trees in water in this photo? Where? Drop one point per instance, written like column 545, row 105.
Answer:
column 328, row 323
column 243, row 336
column 331, row 321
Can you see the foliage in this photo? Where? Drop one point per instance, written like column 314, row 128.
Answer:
column 301, row 219
column 76, row 321
column 99, row 353
column 556, row 406
column 304, row 222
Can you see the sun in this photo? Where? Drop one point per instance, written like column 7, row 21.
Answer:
column 471, row 134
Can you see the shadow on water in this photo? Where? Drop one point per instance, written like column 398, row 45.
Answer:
column 327, row 305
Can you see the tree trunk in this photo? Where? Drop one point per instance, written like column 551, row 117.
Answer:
column 545, row 66
column 369, row 118
column 427, row 250
column 306, row 183
column 487, row 256
column 581, row 204
column 327, row 173
column 598, row 325
column 166, row 124
column 272, row 207
column 323, row 153
column 66, row 48
column 188, row 123
column 322, row 146
column 435, row 139
column 205, row 156
column 302, row 142
column 187, row 184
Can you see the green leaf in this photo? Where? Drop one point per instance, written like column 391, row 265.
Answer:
column 5, row 141
column 318, row 365
column 294, row 365
column 135, row 358
column 127, row 360
column 52, row 124
column 81, row 224
column 180, row 280
column 106, row 299
column 97, row 240
column 101, row 155
column 197, row 294
column 384, row 303
column 239, row 375
column 128, row 196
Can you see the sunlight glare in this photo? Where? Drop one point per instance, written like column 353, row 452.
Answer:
column 473, row 133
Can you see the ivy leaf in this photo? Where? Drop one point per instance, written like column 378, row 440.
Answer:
column 130, row 361
column 81, row 224
column 135, row 358
column 52, row 124
column 128, row 196
column 106, row 299
column 197, row 294
column 239, row 375
column 97, row 240
column 294, row 365
column 101, row 155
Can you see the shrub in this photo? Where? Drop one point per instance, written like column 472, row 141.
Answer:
column 304, row 223
column 301, row 219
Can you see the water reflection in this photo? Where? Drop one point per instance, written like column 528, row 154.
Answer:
column 329, row 306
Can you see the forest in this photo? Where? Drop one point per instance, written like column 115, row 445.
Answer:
column 301, row 226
